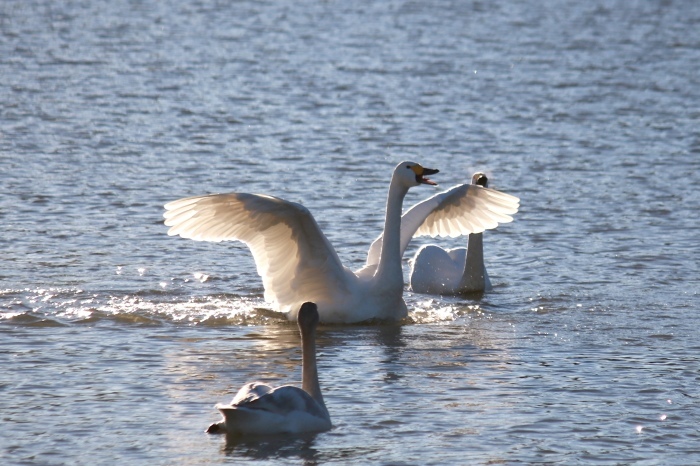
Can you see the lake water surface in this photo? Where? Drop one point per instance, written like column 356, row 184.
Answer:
column 117, row 340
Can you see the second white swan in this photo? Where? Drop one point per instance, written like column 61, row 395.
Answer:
column 454, row 271
column 461, row 210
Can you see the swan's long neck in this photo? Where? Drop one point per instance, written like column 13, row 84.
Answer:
column 390, row 259
column 309, row 372
column 474, row 266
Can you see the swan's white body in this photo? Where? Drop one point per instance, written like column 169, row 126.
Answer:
column 259, row 409
column 455, row 271
column 293, row 256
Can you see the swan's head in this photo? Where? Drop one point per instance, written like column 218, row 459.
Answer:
column 308, row 316
column 412, row 174
column 481, row 179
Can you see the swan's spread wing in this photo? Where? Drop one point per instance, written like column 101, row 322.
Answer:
column 292, row 255
column 461, row 210
column 466, row 209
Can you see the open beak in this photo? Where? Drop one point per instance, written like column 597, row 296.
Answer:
column 421, row 177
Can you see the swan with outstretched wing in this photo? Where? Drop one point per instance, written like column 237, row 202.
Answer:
column 293, row 256
column 461, row 210
column 435, row 270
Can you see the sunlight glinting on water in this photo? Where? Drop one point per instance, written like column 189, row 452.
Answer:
column 123, row 338
column 207, row 310
column 431, row 310
column 74, row 305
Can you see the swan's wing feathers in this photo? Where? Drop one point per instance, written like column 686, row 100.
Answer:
column 249, row 392
column 292, row 255
column 285, row 409
column 461, row 210
column 290, row 398
column 281, row 400
column 467, row 209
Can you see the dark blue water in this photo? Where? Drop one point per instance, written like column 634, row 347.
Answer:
column 117, row 340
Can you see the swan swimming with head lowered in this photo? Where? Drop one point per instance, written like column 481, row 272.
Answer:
column 453, row 271
column 465, row 209
column 295, row 259
column 258, row 409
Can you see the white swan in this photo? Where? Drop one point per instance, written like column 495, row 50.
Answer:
column 461, row 210
column 293, row 256
column 258, row 409
column 453, row 271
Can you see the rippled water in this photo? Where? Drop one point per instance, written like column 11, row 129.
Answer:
column 117, row 340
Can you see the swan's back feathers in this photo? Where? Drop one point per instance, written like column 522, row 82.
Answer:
column 278, row 410
column 461, row 210
column 280, row 400
column 432, row 261
column 292, row 255
column 249, row 392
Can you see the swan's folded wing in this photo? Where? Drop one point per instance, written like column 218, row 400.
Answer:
column 285, row 409
column 461, row 210
column 292, row 255
column 251, row 391
column 285, row 399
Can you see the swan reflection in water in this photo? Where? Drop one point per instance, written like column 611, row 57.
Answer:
column 304, row 447
column 285, row 446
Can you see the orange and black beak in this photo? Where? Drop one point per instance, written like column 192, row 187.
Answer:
column 421, row 174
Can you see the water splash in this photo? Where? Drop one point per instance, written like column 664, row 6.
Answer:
column 433, row 310
column 64, row 306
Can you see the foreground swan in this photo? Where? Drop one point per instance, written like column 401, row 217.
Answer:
column 454, row 271
column 293, row 256
column 461, row 210
column 258, row 409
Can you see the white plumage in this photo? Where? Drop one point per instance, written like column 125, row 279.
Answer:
column 259, row 409
column 461, row 210
column 460, row 270
column 293, row 256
